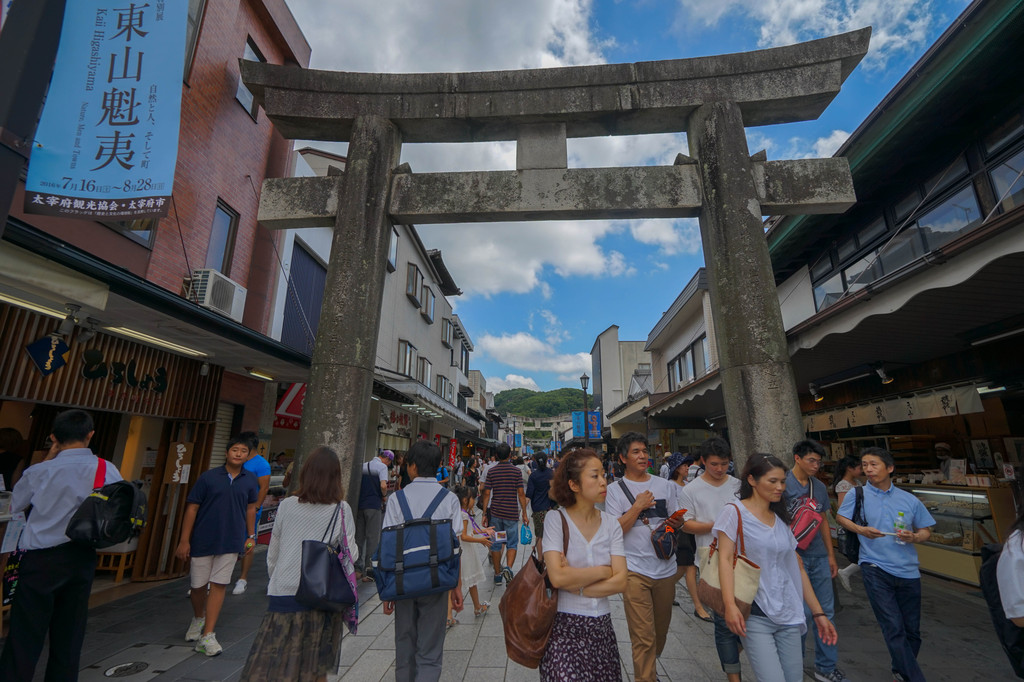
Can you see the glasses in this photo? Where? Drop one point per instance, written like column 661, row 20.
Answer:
column 812, row 462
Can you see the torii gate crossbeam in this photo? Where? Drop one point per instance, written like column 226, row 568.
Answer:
column 712, row 99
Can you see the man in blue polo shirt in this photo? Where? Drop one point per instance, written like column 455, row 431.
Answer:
column 219, row 523
column 888, row 564
column 259, row 467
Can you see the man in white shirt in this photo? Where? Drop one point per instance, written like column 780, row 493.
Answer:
column 420, row 622
column 373, row 487
column 703, row 498
column 650, row 582
column 54, row 570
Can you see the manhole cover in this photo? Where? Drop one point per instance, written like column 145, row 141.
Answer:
column 126, row 669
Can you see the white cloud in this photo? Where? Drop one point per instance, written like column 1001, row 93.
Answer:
column 827, row 146
column 897, row 25
column 497, row 384
column 525, row 351
column 670, row 236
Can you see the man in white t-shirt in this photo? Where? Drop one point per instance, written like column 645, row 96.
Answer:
column 703, row 498
column 650, row 582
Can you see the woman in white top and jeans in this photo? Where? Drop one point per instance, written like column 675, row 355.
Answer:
column 295, row 642
column 582, row 644
column 772, row 633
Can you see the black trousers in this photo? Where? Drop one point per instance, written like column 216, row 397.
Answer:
column 52, row 596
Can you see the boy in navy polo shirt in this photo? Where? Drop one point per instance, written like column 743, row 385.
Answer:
column 220, row 522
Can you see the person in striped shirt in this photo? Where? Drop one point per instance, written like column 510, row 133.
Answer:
column 504, row 503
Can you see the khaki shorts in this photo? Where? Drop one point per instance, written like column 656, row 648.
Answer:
column 212, row 569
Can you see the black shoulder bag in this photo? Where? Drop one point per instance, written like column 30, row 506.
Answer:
column 323, row 585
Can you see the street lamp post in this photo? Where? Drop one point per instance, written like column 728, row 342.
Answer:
column 584, row 382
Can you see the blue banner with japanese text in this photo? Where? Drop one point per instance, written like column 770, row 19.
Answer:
column 107, row 142
column 593, row 421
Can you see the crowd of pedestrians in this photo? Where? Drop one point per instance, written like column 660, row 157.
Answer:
column 597, row 535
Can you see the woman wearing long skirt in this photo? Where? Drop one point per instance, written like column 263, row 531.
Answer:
column 295, row 642
column 582, row 644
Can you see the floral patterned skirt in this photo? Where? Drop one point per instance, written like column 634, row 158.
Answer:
column 299, row 647
column 581, row 648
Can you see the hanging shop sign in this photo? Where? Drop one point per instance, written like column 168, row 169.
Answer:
column 593, row 424
column 944, row 403
column 453, row 451
column 292, row 402
column 107, row 142
column 179, row 463
column 48, row 354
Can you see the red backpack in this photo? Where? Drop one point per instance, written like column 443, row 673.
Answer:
column 807, row 514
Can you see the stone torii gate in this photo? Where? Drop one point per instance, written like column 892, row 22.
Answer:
column 711, row 99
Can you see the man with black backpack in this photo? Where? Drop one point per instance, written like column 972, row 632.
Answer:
column 55, row 575
column 420, row 620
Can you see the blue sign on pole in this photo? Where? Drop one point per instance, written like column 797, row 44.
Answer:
column 593, row 420
column 107, row 142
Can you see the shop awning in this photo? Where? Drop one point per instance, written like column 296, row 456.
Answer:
column 424, row 399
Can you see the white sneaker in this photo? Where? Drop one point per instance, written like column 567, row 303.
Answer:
column 195, row 629
column 844, row 580
column 240, row 587
column 209, row 645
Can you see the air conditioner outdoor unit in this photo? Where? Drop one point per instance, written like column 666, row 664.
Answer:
column 213, row 290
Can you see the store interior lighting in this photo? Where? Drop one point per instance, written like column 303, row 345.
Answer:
column 146, row 338
column 814, row 393
column 886, row 379
column 204, row 369
column 259, row 374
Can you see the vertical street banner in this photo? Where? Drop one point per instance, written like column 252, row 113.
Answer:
column 107, row 142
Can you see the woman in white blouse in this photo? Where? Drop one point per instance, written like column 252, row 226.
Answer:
column 295, row 642
column 582, row 644
column 1010, row 573
column 772, row 633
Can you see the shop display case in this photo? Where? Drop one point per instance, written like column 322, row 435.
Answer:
column 966, row 518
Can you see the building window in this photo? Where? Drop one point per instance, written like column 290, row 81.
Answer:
column 424, row 372
column 427, row 311
column 195, row 19
column 443, row 386
column 406, row 358
column 141, row 230
column 706, row 348
column 953, row 217
column 414, row 284
column 447, row 332
column 393, row 251
column 222, row 238
column 244, row 97
column 1008, row 181
column 464, row 359
column 307, row 278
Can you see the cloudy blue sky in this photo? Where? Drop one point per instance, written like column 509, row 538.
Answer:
column 537, row 294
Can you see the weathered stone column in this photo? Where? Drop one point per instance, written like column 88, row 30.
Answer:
column 761, row 402
column 341, row 378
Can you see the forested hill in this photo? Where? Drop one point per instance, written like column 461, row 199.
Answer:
column 523, row 401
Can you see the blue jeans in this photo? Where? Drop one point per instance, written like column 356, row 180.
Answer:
column 727, row 644
column 897, row 606
column 821, row 581
column 511, row 529
column 774, row 650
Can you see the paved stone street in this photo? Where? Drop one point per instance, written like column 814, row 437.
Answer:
column 148, row 628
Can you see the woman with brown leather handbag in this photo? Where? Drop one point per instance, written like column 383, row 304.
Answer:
column 582, row 643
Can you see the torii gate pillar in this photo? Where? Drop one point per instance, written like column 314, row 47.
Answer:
column 761, row 403
column 341, row 375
